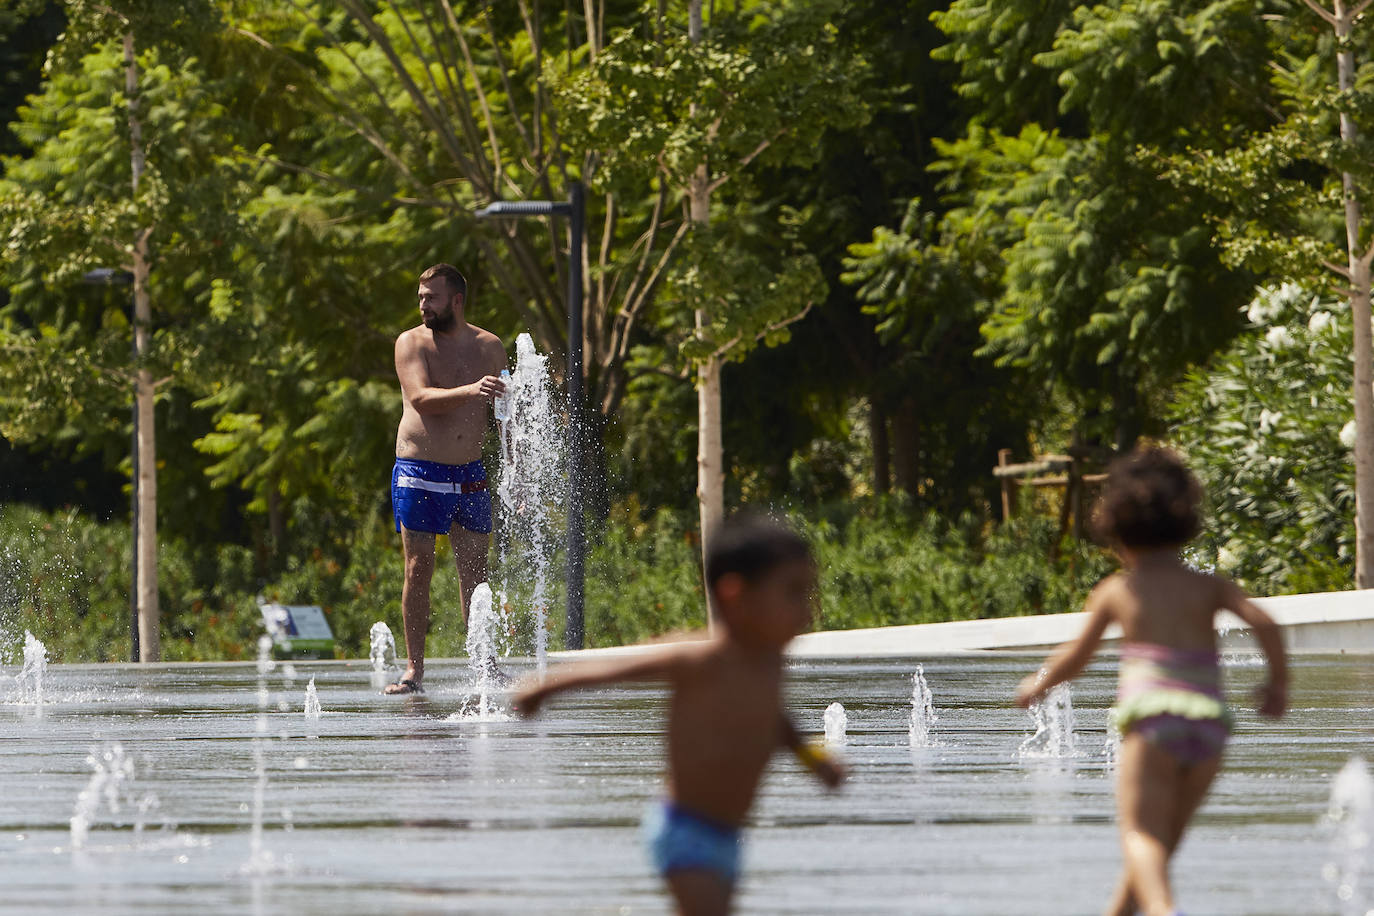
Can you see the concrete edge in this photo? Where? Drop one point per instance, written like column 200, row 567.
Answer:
column 1319, row 622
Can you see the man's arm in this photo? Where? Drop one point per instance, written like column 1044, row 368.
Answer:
column 426, row 398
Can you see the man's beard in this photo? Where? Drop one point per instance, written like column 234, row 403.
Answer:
column 442, row 323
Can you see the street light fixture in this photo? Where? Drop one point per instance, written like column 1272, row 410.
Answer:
column 575, row 209
column 109, row 276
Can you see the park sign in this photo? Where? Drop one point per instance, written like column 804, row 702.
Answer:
column 301, row 630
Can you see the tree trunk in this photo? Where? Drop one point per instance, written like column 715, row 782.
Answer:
column 710, row 451
column 1363, row 355
column 710, row 448
column 596, row 493
column 276, row 525
column 149, row 645
column 877, row 435
column 906, row 449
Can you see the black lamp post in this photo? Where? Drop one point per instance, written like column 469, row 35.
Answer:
column 575, row 209
column 109, row 276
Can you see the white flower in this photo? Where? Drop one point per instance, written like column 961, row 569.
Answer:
column 1268, row 420
column 1227, row 559
column 1270, row 302
column 1279, row 337
column 1318, row 322
column 1348, row 434
column 1262, row 308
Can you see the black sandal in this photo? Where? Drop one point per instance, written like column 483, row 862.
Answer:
column 409, row 685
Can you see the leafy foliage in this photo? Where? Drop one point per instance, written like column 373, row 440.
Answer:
column 1109, row 284
column 754, row 94
column 1269, row 426
column 1036, row 236
column 879, row 566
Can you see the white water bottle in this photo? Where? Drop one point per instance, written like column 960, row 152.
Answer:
column 500, row 405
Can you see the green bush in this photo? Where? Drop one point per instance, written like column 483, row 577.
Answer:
column 894, row 569
column 62, row 578
column 644, row 580
column 66, row 578
column 879, row 566
column 1268, row 427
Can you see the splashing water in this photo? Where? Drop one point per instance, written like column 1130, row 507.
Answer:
column 921, row 730
column 30, row 677
column 43, row 562
column 531, row 491
column 1053, row 717
column 383, row 654
column 111, row 788
column 483, row 628
column 261, row 861
column 1111, row 746
column 836, row 723
column 1351, row 817
column 312, row 701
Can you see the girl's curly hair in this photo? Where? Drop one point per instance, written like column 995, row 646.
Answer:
column 1151, row 500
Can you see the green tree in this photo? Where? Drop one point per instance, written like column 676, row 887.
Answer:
column 439, row 111
column 1291, row 196
column 66, row 205
column 1104, row 288
column 925, row 283
column 691, row 114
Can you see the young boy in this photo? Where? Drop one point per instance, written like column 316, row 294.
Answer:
column 1169, row 705
column 725, row 717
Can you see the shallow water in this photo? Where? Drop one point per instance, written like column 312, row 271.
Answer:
column 402, row 805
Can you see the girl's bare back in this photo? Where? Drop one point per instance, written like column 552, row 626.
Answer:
column 1158, row 600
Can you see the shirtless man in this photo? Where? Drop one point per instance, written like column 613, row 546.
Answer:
column 449, row 370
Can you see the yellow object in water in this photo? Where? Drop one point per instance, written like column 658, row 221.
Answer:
column 812, row 754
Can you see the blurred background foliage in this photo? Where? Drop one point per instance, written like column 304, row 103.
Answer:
column 1016, row 223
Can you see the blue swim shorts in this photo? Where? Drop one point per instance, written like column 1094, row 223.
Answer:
column 679, row 840
column 428, row 496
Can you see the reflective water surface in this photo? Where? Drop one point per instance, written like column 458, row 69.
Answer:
column 407, row 805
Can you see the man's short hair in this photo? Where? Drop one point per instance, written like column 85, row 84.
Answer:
column 457, row 283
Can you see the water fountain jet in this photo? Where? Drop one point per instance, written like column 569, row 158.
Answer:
column 836, row 723
column 921, row 730
column 483, row 629
column 30, row 678
column 1351, row 815
column 531, row 492
column 1054, row 726
column 383, row 654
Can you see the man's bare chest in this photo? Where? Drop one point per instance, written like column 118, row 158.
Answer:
column 453, row 365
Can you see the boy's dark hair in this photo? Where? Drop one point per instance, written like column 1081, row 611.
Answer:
column 1151, row 500
column 750, row 545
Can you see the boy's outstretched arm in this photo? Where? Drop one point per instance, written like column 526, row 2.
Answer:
column 656, row 664
column 827, row 769
column 1273, row 700
column 1069, row 659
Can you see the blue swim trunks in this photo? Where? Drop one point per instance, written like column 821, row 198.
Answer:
column 428, row 496
column 679, row 839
